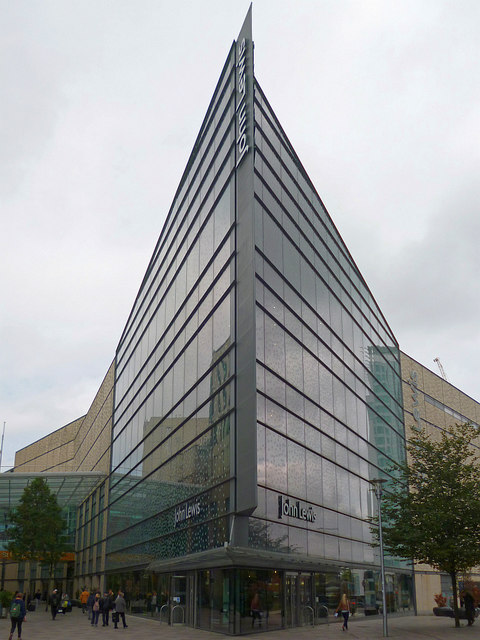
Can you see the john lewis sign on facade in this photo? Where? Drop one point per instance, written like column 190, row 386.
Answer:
column 295, row 509
column 186, row 511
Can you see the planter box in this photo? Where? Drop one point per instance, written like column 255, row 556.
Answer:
column 448, row 612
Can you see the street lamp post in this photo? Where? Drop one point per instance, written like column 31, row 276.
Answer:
column 378, row 488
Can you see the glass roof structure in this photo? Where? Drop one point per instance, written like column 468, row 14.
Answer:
column 70, row 488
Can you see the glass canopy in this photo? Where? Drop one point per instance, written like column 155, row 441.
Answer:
column 70, row 488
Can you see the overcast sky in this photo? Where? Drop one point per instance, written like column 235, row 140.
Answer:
column 100, row 104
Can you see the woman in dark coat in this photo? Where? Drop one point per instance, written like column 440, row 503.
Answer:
column 17, row 614
column 469, row 607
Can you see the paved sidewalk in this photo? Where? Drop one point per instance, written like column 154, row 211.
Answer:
column 75, row 626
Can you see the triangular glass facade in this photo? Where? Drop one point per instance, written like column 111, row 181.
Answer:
column 257, row 387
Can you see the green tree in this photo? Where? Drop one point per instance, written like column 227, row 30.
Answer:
column 37, row 528
column 437, row 520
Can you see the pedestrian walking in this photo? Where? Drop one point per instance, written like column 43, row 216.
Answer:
column 95, row 610
column 104, row 608
column 108, row 605
column 153, row 603
column 469, row 607
column 84, row 599
column 120, row 607
column 344, row 609
column 90, row 601
column 17, row 615
column 54, row 600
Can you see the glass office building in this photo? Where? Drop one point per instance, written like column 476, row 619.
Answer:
column 257, row 392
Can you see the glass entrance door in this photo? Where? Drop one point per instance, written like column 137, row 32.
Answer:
column 190, row 613
column 298, row 599
column 290, row 599
column 305, row 601
column 178, row 600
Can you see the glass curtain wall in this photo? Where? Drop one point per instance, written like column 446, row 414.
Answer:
column 329, row 399
column 328, row 396
column 171, row 454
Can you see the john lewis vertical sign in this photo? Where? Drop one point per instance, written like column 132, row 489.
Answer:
column 242, row 123
column 246, row 492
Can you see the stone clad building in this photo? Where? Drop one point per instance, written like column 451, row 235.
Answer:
column 431, row 402
column 75, row 459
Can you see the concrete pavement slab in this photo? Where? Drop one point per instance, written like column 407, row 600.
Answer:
column 75, row 626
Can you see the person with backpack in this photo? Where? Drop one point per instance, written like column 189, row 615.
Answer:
column 96, row 610
column 17, row 615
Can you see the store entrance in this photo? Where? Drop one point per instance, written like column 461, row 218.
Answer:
column 298, row 599
column 178, row 600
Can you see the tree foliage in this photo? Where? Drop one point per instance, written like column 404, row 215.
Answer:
column 437, row 520
column 37, row 528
